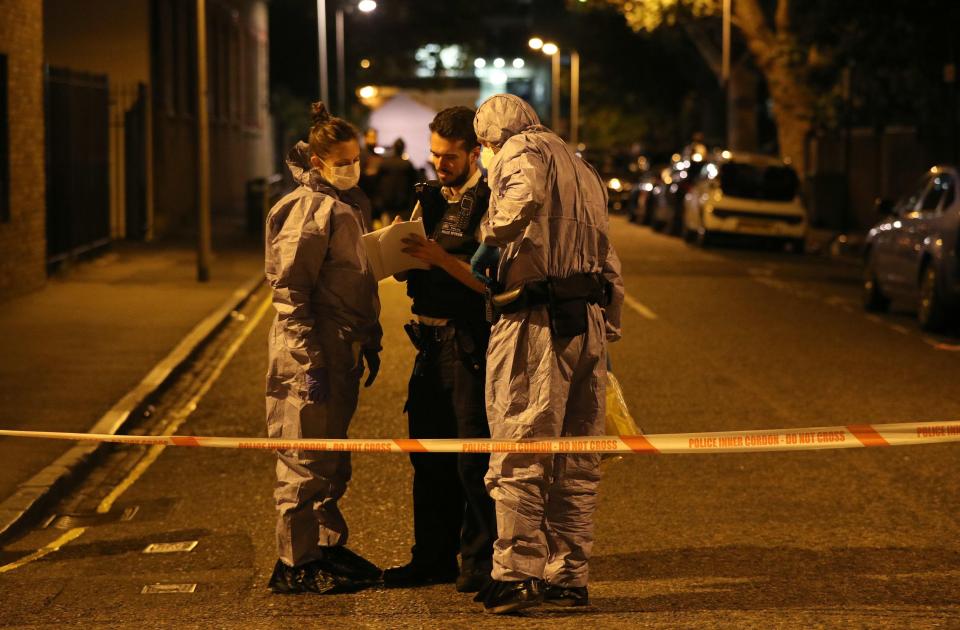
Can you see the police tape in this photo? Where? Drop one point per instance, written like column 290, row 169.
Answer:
column 806, row 439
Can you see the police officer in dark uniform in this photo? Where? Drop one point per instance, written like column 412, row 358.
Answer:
column 452, row 511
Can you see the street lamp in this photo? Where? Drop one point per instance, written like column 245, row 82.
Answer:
column 551, row 49
column 364, row 6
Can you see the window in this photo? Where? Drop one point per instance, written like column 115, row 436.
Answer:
column 4, row 145
column 940, row 188
column 772, row 183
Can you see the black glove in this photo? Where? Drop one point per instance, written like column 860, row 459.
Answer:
column 372, row 357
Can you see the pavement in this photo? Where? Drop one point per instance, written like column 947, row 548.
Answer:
column 88, row 349
column 836, row 244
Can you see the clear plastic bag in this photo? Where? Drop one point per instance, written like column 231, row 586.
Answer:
column 618, row 418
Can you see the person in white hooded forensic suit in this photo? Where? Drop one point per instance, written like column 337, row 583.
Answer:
column 546, row 363
column 326, row 326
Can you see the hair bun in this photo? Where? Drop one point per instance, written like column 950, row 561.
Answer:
column 319, row 113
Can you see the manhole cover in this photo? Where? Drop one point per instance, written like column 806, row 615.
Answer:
column 152, row 589
column 171, row 547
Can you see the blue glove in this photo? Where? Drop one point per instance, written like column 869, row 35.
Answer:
column 318, row 385
column 485, row 260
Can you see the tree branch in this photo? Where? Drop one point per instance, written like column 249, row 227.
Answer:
column 783, row 22
column 705, row 46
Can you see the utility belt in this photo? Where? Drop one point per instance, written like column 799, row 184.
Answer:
column 470, row 341
column 566, row 300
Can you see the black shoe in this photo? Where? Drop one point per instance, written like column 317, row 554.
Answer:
column 342, row 562
column 506, row 597
column 418, row 574
column 306, row 578
column 566, row 596
column 473, row 581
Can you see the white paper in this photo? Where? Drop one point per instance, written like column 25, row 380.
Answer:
column 383, row 249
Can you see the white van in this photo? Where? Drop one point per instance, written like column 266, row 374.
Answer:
column 746, row 194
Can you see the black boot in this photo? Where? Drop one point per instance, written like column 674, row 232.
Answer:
column 506, row 597
column 416, row 574
column 572, row 597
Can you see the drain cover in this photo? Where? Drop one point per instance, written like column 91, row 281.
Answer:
column 89, row 519
column 171, row 547
column 151, row 589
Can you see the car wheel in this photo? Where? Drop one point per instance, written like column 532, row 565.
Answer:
column 931, row 310
column 873, row 299
column 795, row 245
column 703, row 238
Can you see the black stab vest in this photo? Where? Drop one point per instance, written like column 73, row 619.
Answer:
column 454, row 226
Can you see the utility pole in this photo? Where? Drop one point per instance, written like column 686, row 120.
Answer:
column 555, row 92
column 203, row 149
column 341, row 72
column 322, row 45
column 574, row 99
column 725, row 67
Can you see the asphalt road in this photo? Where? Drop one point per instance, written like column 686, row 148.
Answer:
column 714, row 340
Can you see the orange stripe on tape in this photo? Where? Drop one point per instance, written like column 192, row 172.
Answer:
column 639, row 444
column 410, row 446
column 179, row 440
column 867, row 435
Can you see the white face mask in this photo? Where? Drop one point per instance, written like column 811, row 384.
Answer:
column 486, row 157
column 342, row 177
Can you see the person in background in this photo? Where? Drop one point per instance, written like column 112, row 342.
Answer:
column 326, row 327
column 546, row 364
column 396, row 180
column 370, row 162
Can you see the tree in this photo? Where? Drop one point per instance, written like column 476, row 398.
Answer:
column 768, row 31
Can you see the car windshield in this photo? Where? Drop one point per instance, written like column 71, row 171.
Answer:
column 772, row 183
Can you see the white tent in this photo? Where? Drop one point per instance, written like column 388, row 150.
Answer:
column 403, row 117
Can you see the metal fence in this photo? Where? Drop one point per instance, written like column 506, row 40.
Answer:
column 77, row 162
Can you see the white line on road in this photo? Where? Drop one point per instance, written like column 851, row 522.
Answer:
column 639, row 307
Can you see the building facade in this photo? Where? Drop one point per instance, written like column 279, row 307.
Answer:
column 22, row 177
column 98, row 127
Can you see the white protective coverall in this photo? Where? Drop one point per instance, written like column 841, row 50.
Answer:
column 548, row 211
column 328, row 309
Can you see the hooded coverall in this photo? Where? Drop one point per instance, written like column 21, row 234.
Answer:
column 327, row 307
column 548, row 211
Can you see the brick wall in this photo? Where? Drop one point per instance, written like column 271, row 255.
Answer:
column 22, row 239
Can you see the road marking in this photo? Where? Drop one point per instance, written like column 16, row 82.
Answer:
column 639, row 307
column 179, row 417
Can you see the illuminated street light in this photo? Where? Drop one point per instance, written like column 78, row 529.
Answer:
column 364, row 63
column 550, row 49
column 499, row 62
column 368, row 92
column 536, row 43
column 367, row 5
column 479, row 62
column 518, row 63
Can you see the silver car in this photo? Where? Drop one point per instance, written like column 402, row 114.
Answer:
column 912, row 253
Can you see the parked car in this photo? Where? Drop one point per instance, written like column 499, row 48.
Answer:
column 746, row 194
column 641, row 210
column 912, row 253
column 677, row 180
column 621, row 173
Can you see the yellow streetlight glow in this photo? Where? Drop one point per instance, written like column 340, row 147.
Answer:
column 536, row 43
column 367, row 5
column 364, row 63
column 550, row 49
column 368, row 91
